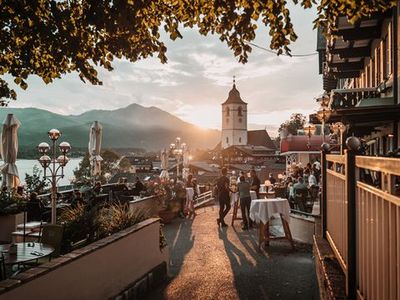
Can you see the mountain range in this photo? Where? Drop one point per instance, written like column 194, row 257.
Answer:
column 134, row 126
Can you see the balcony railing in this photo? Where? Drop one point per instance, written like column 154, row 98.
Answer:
column 362, row 222
column 345, row 98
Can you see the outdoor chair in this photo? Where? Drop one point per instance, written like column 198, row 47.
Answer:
column 3, row 274
column 314, row 190
column 300, row 199
column 280, row 192
column 52, row 235
column 34, row 211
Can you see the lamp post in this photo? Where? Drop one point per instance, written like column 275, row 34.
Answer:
column 339, row 128
column 54, row 164
column 309, row 130
column 323, row 115
column 177, row 149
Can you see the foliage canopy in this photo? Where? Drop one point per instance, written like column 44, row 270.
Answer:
column 296, row 122
column 50, row 38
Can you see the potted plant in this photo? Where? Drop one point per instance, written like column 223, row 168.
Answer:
column 12, row 207
column 166, row 214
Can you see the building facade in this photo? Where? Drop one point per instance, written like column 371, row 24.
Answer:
column 360, row 199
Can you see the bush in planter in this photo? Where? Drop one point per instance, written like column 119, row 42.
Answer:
column 75, row 229
column 35, row 182
column 117, row 217
column 11, row 203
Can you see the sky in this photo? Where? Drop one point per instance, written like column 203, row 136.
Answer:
column 196, row 80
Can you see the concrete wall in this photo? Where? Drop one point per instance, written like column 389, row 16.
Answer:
column 302, row 228
column 8, row 224
column 151, row 204
column 98, row 271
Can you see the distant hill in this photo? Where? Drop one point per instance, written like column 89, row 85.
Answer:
column 133, row 126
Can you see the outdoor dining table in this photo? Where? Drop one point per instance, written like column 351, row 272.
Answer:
column 262, row 210
column 26, row 252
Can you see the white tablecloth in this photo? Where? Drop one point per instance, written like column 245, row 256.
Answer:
column 235, row 196
column 263, row 209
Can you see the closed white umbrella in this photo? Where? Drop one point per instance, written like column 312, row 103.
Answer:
column 95, row 137
column 9, row 151
column 164, row 165
column 186, row 160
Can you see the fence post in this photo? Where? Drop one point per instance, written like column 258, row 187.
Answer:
column 351, row 183
column 324, row 166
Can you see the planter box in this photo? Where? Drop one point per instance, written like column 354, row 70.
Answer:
column 8, row 224
column 101, row 270
column 302, row 228
column 150, row 204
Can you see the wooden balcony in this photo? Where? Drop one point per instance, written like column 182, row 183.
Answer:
column 348, row 98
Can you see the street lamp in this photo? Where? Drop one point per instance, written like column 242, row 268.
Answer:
column 54, row 164
column 178, row 149
column 324, row 100
column 339, row 128
column 323, row 115
column 309, row 130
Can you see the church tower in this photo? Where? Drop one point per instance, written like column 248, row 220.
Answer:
column 234, row 120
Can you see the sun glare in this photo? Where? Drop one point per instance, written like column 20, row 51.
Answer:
column 207, row 117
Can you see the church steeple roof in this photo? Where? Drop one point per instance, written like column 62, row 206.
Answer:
column 234, row 95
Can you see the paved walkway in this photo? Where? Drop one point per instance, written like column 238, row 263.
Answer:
column 212, row 263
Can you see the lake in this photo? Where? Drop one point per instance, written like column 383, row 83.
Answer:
column 25, row 166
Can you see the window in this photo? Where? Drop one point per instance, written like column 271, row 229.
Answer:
column 378, row 66
column 240, row 140
column 240, row 120
column 372, row 74
column 227, row 140
column 240, row 112
column 386, row 57
column 227, row 111
column 227, row 120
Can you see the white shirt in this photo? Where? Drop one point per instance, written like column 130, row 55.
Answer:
column 312, row 180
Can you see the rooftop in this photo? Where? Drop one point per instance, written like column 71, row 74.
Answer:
column 234, row 96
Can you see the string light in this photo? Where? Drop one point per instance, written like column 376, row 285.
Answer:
column 276, row 53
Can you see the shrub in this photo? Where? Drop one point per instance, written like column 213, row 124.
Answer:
column 117, row 217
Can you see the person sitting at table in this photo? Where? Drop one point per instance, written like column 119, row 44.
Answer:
column 77, row 200
column 97, row 188
column 255, row 183
column 271, row 178
column 34, row 208
column 139, row 187
column 299, row 186
column 245, row 200
column 122, row 184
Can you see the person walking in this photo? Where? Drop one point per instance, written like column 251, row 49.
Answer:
column 245, row 200
column 255, row 183
column 223, row 197
column 191, row 194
